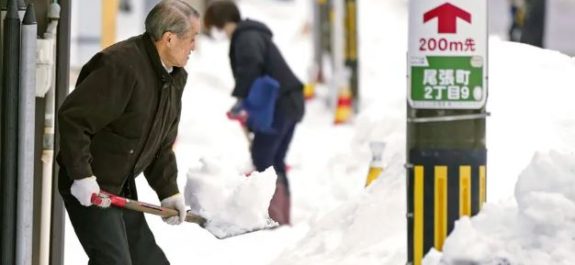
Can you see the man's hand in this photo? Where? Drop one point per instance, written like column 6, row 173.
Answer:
column 175, row 202
column 83, row 189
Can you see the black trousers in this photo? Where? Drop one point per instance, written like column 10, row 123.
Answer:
column 114, row 236
column 270, row 149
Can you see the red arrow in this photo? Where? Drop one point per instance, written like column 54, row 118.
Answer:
column 447, row 15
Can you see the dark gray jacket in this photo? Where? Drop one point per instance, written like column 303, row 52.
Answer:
column 122, row 119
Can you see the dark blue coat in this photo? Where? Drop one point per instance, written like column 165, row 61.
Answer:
column 253, row 54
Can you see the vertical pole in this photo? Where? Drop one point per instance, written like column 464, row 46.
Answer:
column 41, row 9
column 3, row 4
column 2, row 16
column 351, row 50
column 534, row 25
column 62, row 89
column 317, row 38
column 325, row 18
column 47, row 211
column 337, row 52
column 109, row 15
column 38, row 177
column 26, row 141
column 9, row 133
column 47, row 159
column 447, row 93
column 340, row 85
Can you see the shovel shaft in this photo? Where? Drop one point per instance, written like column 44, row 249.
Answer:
column 105, row 199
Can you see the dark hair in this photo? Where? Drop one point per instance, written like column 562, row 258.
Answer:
column 169, row 16
column 221, row 12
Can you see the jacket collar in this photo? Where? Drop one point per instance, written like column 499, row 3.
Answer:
column 156, row 61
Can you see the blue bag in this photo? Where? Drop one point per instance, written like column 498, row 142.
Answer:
column 260, row 104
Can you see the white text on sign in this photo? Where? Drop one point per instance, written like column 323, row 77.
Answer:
column 446, row 84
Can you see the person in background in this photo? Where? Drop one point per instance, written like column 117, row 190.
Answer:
column 121, row 120
column 253, row 54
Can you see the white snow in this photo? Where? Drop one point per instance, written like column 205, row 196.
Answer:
column 231, row 202
column 540, row 229
column 335, row 219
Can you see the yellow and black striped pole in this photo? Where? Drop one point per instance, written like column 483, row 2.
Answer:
column 444, row 185
column 324, row 32
column 351, row 50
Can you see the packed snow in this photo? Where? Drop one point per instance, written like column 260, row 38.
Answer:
column 529, row 217
column 231, row 203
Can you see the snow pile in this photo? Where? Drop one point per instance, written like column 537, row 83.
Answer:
column 364, row 230
column 531, row 104
column 540, row 231
column 559, row 177
column 231, row 202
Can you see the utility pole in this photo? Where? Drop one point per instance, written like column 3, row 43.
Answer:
column 351, row 50
column 447, row 92
column 9, row 133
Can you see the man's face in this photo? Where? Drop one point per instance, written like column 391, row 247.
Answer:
column 180, row 47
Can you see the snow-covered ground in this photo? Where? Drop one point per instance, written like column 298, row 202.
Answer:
column 335, row 219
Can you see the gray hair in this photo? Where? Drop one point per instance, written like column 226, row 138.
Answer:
column 170, row 16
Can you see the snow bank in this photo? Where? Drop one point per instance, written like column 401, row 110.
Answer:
column 531, row 103
column 541, row 230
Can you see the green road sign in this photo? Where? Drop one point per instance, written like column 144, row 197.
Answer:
column 447, row 82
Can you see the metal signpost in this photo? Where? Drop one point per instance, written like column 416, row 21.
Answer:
column 447, row 92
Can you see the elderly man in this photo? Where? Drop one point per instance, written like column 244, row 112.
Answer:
column 122, row 120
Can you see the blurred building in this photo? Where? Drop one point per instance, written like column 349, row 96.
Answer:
column 87, row 28
column 558, row 33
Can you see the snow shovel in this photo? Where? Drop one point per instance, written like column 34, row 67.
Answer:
column 105, row 199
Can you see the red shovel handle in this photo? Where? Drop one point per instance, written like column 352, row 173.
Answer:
column 105, row 199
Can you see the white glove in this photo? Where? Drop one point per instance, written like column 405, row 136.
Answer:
column 83, row 189
column 175, row 202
